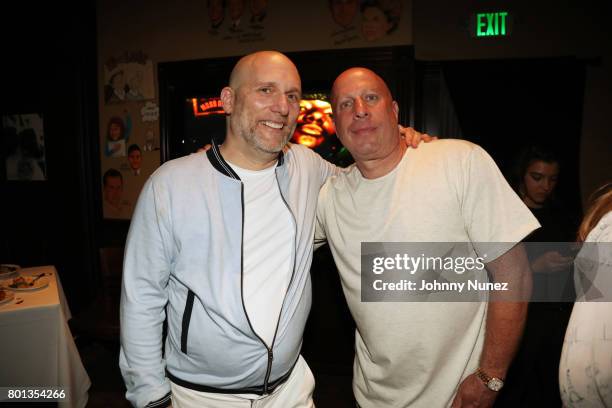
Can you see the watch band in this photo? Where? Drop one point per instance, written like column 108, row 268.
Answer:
column 492, row 383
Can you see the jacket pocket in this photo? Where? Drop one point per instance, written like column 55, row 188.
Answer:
column 186, row 320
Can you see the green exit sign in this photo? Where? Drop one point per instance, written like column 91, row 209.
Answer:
column 492, row 24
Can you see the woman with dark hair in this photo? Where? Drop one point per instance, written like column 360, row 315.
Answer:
column 535, row 180
column 532, row 379
column 535, row 175
column 585, row 372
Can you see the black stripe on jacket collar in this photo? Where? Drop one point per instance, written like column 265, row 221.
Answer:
column 219, row 163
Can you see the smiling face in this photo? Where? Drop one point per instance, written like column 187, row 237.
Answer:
column 539, row 182
column 114, row 131
column 215, row 11
column 374, row 23
column 258, row 7
column 113, row 188
column 344, row 11
column 236, row 8
column 315, row 118
column 118, row 82
column 135, row 81
column 365, row 115
column 135, row 159
column 263, row 102
column 314, row 122
column 393, row 7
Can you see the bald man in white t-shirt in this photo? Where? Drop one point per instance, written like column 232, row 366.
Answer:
column 408, row 353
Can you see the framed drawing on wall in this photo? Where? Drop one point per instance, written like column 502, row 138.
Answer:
column 24, row 147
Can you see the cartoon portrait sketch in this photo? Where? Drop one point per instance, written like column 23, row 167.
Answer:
column 117, row 134
column 135, row 159
column 114, row 90
column 149, row 144
column 134, row 86
column 393, row 8
column 376, row 22
column 128, row 77
column 235, row 9
column 259, row 9
column 344, row 12
column 113, row 205
column 216, row 13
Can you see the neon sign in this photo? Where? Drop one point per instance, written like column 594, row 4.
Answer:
column 207, row 106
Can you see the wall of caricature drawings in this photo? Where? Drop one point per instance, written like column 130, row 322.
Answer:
column 352, row 21
column 358, row 20
column 129, row 146
column 235, row 20
column 140, row 34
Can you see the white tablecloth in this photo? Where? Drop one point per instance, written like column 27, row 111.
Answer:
column 36, row 346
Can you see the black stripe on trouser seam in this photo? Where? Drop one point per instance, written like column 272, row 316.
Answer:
column 164, row 401
column 186, row 320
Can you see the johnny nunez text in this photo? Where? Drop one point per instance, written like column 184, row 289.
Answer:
column 438, row 286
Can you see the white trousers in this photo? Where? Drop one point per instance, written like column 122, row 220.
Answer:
column 296, row 392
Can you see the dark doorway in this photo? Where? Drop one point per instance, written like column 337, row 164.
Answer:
column 503, row 105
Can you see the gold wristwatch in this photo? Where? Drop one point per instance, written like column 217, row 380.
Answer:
column 492, row 383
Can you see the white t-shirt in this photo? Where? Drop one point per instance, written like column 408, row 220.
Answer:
column 416, row 354
column 268, row 249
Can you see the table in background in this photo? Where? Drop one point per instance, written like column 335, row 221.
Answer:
column 36, row 347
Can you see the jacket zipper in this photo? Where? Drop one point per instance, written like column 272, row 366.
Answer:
column 269, row 349
column 270, row 354
column 268, row 370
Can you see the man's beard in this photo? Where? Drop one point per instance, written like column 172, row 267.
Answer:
column 254, row 140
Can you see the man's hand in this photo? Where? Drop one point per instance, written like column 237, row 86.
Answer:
column 473, row 393
column 414, row 138
column 204, row 148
